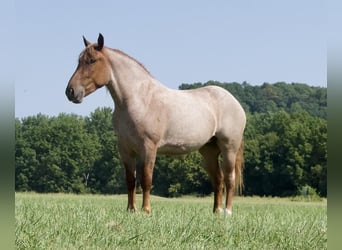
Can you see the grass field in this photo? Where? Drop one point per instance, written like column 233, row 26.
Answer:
column 60, row 221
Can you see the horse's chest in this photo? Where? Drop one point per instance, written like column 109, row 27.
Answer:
column 130, row 128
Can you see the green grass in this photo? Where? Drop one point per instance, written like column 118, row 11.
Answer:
column 60, row 221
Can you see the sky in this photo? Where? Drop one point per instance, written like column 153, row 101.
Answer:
column 177, row 41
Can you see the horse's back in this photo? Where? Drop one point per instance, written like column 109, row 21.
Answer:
column 225, row 104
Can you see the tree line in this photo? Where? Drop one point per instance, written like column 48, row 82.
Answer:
column 285, row 148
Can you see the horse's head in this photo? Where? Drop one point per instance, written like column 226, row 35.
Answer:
column 93, row 71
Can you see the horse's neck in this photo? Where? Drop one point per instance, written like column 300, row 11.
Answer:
column 130, row 80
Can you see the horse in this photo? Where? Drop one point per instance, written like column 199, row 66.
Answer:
column 151, row 119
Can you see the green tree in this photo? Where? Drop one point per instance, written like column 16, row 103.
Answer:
column 51, row 153
column 107, row 174
column 285, row 152
column 175, row 176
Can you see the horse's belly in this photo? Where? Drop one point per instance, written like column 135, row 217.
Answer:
column 177, row 149
column 185, row 141
column 187, row 130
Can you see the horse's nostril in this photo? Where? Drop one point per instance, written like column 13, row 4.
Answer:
column 70, row 93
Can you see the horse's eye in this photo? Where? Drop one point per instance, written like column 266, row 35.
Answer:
column 92, row 60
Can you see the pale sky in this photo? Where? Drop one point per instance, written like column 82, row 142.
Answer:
column 177, row 41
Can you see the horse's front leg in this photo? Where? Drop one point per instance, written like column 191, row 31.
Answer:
column 146, row 178
column 131, row 178
column 131, row 186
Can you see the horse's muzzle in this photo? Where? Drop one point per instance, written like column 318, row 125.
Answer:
column 70, row 93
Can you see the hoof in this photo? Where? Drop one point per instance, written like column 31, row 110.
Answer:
column 132, row 210
column 218, row 211
column 227, row 212
column 146, row 210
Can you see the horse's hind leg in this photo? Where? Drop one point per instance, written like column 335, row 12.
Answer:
column 210, row 153
column 228, row 167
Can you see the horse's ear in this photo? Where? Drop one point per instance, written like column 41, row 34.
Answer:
column 86, row 43
column 100, row 42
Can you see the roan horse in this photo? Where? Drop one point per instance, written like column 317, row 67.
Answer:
column 150, row 118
